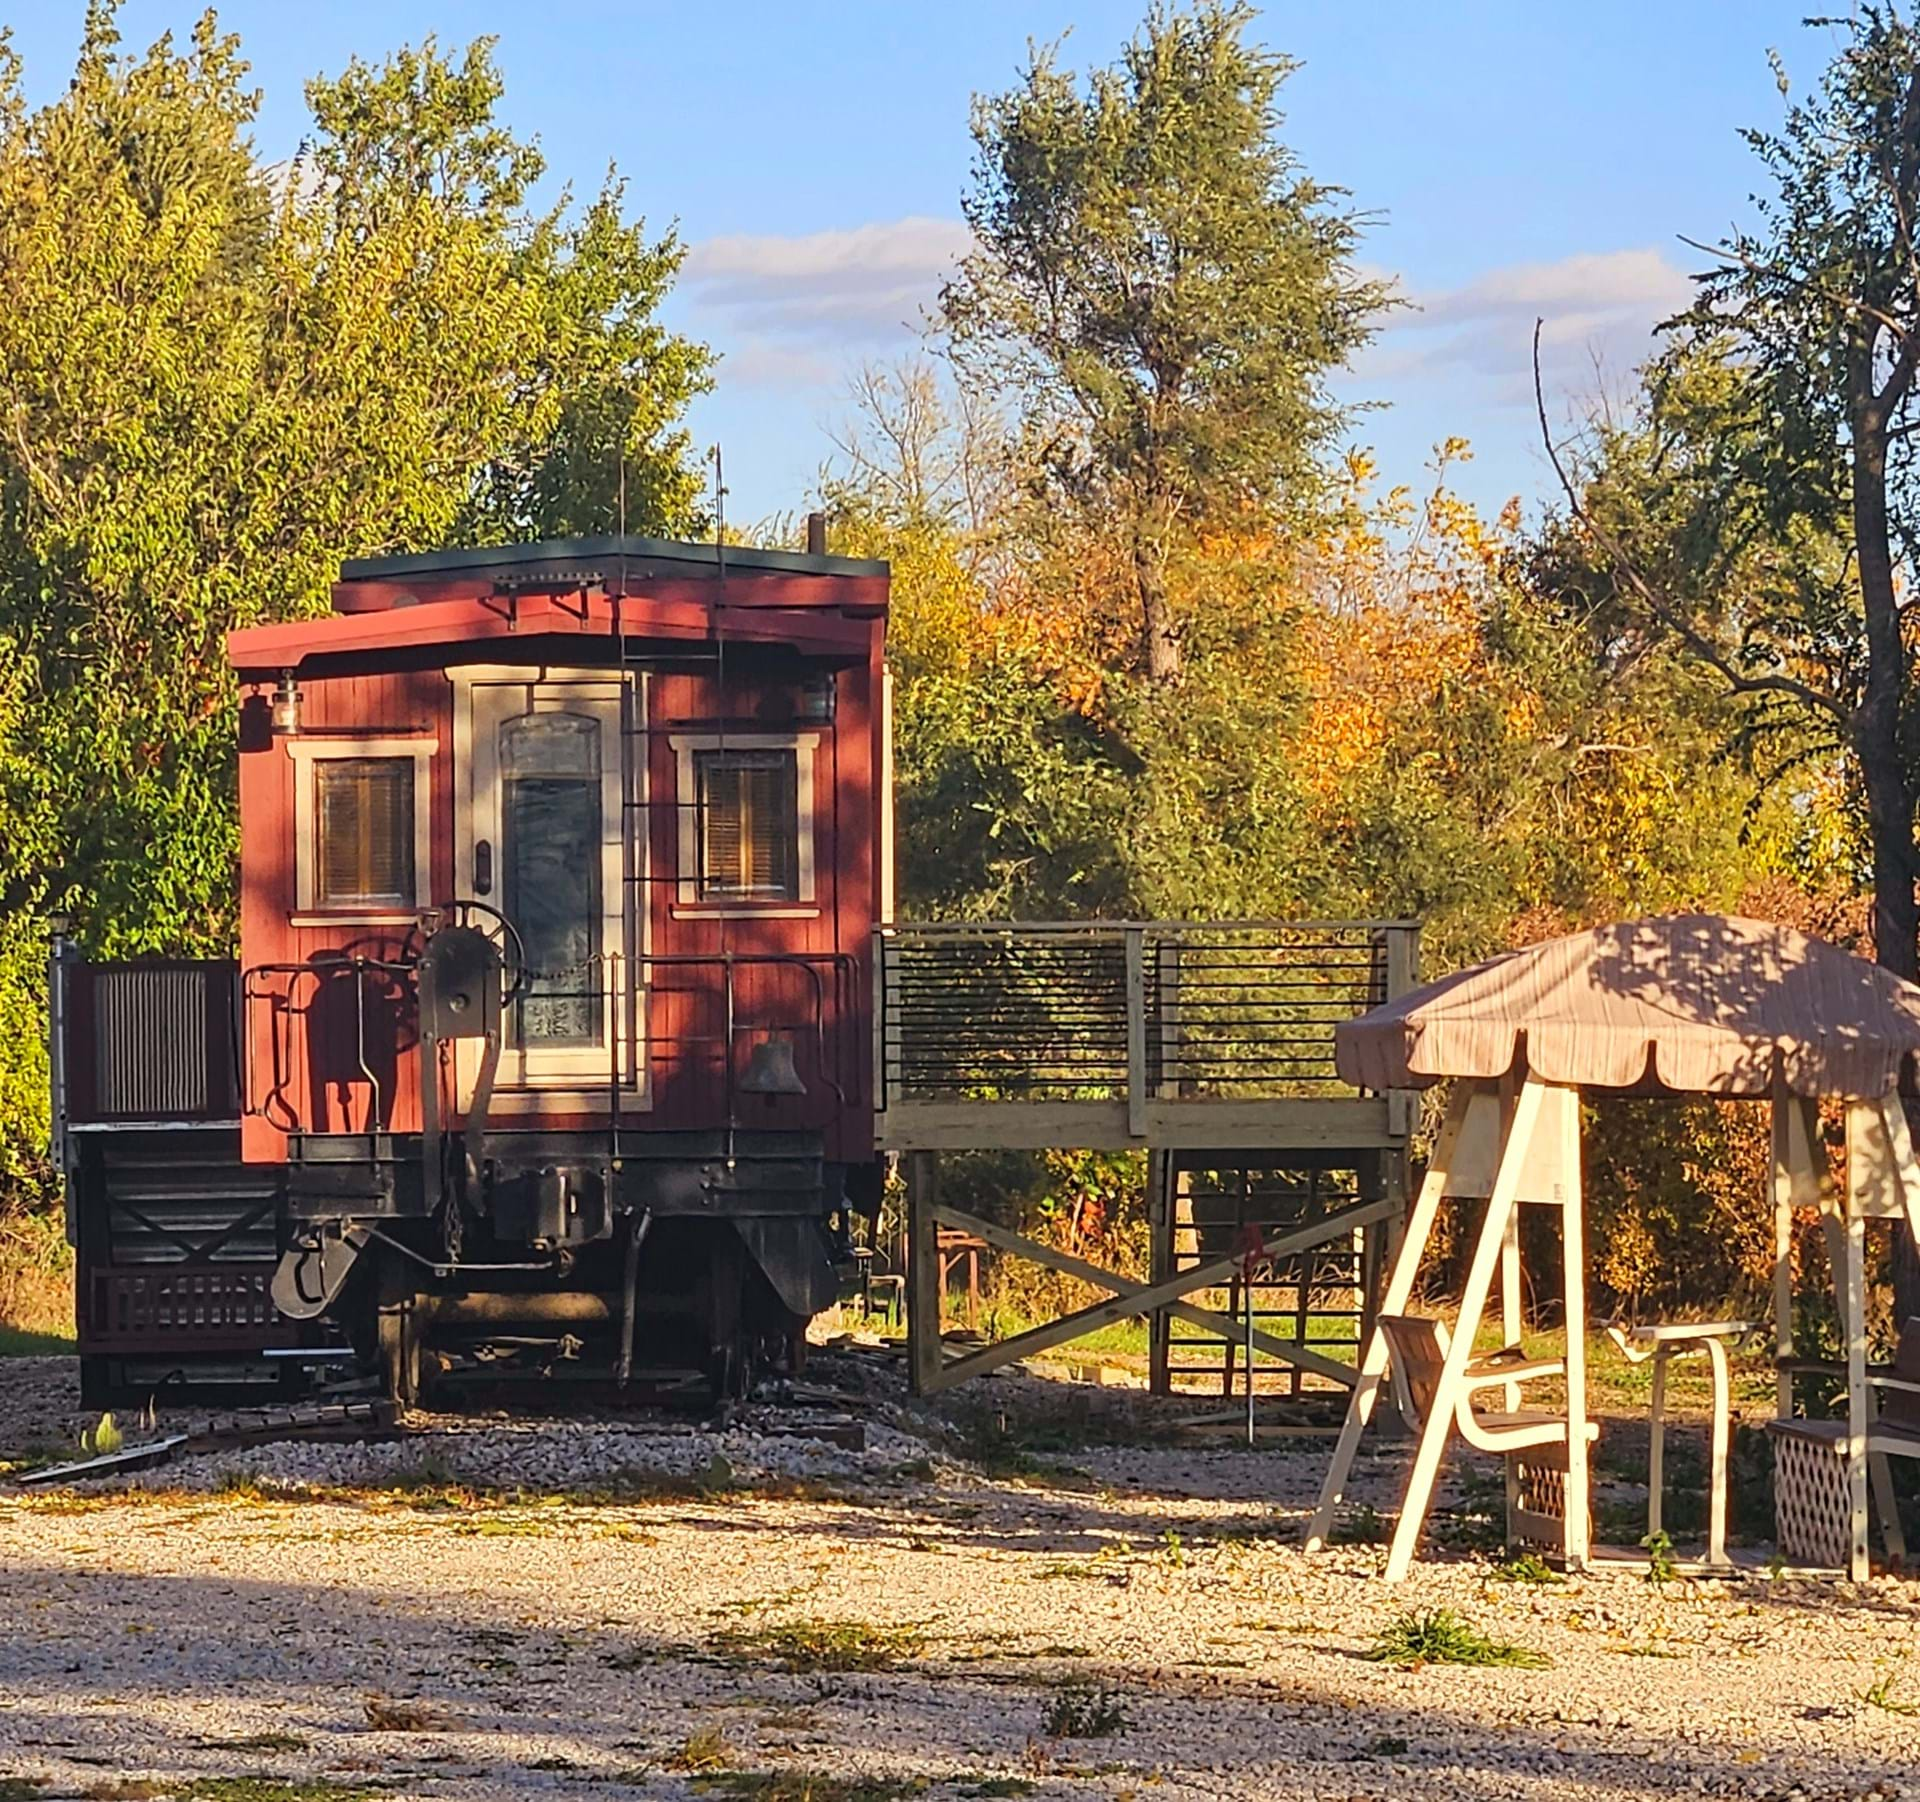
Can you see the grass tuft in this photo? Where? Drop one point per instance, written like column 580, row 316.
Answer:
column 1880, row 1695
column 1362, row 1524
column 1661, row 1568
column 1080, row 1711
column 229, row 1789
column 706, row 1749
column 806, row 1786
column 1527, row 1567
column 808, row 1646
column 1441, row 1637
column 391, row 1714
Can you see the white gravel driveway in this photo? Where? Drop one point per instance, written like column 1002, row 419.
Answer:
column 176, row 1643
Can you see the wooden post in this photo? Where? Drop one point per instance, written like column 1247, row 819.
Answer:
column 1438, row 1425
column 1798, row 1182
column 1160, row 1212
column 923, row 1269
column 1851, row 1279
column 1574, row 1261
column 1782, row 1161
column 1854, row 1315
column 1400, row 1280
column 1657, row 1443
column 1136, row 965
column 1717, row 1471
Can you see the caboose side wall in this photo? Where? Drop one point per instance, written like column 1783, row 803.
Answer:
column 302, row 1055
column 319, row 1050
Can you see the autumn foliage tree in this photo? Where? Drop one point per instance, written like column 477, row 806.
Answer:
column 1162, row 292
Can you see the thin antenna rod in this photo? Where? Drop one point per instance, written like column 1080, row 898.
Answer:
column 719, row 513
column 623, row 491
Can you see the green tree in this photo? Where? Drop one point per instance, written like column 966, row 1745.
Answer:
column 1161, row 289
column 1760, row 506
column 218, row 379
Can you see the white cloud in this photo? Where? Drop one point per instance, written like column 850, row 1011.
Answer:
column 1596, row 308
column 847, row 288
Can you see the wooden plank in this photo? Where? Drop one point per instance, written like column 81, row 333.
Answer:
column 1140, row 1301
column 1862, row 1179
column 1473, row 1299
column 1782, row 1175
column 1403, row 960
column 1405, row 1269
column 1162, row 1202
column 1564, row 1105
column 1312, row 1123
column 1136, row 1034
column 1234, row 1331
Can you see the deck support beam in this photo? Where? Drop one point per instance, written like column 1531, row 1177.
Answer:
column 932, row 1373
column 923, row 1270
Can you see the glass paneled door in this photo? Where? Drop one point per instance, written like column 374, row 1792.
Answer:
column 541, row 836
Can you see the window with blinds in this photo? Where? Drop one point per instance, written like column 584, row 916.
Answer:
column 364, row 820
column 749, row 836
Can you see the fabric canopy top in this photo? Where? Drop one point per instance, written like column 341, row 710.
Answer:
column 1690, row 1003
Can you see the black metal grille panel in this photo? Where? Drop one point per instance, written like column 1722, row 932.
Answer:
column 1311, row 1298
column 162, row 1049
column 979, row 1016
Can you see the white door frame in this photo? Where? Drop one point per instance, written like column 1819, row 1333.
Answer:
column 485, row 696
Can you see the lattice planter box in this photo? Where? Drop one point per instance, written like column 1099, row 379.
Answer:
column 1537, row 1498
column 1812, row 1507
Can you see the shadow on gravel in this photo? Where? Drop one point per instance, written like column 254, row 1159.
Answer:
column 175, row 1676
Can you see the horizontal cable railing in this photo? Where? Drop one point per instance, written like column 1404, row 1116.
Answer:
column 1125, row 1011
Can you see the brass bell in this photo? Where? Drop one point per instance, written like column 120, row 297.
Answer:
column 770, row 1070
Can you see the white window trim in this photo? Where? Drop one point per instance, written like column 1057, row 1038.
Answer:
column 687, row 793
column 305, row 753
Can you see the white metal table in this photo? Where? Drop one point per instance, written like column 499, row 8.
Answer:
column 1663, row 1343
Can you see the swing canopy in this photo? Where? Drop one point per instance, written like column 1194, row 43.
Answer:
column 1706, row 1004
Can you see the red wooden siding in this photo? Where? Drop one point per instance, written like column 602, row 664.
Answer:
column 313, row 1062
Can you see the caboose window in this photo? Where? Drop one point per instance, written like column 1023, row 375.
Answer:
column 364, row 830
column 749, row 837
column 551, row 824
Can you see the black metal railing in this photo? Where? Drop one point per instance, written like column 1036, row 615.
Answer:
column 1125, row 1011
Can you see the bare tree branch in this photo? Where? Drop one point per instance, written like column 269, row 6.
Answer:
column 1846, row 302
column 1676, row 622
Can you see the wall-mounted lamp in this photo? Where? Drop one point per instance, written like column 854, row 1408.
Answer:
column 817, row 696
column 286, row 706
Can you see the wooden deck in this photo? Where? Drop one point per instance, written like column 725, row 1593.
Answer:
column 1207, row 1045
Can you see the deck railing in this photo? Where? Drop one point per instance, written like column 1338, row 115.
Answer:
column 1119, row 1024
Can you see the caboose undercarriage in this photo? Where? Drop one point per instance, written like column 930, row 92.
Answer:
column 701, row 1252
column 634, row 1255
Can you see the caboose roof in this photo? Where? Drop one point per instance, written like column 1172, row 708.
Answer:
column 642, row 556
column 572, row 587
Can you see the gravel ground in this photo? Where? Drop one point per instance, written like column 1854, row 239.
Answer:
column 239, row 1616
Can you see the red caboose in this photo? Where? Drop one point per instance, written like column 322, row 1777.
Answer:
column 559, row 869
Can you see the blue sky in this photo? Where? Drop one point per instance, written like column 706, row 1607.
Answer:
column 1523, row 158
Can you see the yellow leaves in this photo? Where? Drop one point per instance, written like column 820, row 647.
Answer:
column 1402, row 589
